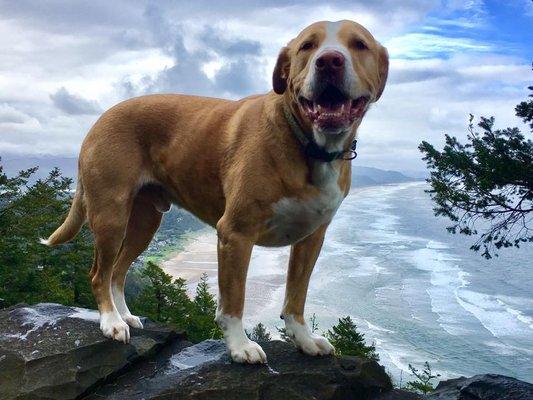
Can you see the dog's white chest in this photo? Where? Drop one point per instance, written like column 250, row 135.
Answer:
column 294, row 219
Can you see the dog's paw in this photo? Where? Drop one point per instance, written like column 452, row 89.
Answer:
column 132, row 320
column 114, row 327
column 314, row 345
column 248, row 352
column 305, row 340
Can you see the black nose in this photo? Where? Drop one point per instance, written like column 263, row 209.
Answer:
column 330, row 60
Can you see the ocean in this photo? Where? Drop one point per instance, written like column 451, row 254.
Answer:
column 413, row 289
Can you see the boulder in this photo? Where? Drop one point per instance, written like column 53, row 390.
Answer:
column 204, row 371
column 50, row 351
column 483, row 387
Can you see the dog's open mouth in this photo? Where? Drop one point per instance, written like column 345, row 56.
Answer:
column 332, row 110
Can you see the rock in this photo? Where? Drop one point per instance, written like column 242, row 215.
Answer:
column 483, row 387
column 398, row 394
column 50, row 351
column 204, row 371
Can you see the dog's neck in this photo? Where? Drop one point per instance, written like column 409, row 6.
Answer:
column 318, row 151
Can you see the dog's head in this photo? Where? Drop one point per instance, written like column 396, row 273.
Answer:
column 330, row 73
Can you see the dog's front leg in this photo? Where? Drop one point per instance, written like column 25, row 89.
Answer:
column 234, row 251
column 302, row 261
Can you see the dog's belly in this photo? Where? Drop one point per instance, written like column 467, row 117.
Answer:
column 294, row 219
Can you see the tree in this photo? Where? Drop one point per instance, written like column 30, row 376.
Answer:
column 29, row 271
column 348, row 341
column 202, row 324
column 422, row 384
column 259, row 334
column 162, row 299
column 485, row 187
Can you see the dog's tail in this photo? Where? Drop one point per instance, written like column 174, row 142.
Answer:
column 75, row 219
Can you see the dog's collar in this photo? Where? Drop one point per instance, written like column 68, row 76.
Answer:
column 313, row 150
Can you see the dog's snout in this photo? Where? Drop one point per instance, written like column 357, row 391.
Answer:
column 330, row 61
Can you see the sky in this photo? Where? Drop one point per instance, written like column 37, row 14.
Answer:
column 62, row 63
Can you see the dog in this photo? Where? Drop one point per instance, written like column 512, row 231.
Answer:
column 268, row 170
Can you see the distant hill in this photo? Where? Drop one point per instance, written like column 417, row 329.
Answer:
column 369, row 176
column 68, row 165
column 361, row 176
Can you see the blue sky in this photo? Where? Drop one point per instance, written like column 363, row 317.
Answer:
column 62, row 63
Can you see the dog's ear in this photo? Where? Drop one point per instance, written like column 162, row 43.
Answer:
column 383, row 70
column 281, row 71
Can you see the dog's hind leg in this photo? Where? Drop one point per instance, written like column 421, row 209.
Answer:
column 142, row 225
column 108, row 218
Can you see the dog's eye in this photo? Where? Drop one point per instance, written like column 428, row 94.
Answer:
column 359, row 45
column 307, row 46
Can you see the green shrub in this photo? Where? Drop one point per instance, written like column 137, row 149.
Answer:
column 259, row 334
column 348, row 341
column 422, row 384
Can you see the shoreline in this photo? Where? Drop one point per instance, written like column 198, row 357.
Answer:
column 198, row 256
column 265, row 283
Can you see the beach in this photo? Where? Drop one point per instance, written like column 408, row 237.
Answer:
column 266, row 274
column 415, row 291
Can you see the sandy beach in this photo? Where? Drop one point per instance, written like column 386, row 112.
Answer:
column 266, row 275
column 199, row 256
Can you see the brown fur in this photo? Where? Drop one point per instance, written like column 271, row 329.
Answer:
column 225, row 161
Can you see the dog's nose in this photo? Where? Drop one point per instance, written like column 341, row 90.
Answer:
column 330, row 60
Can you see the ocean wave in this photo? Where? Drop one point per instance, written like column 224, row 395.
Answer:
column 495, row 315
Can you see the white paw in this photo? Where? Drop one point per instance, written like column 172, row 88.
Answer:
column 132, row 320
column 250, row 353
column 114, row 327
column 305, row 340
column 314, row 345
column 240, row 348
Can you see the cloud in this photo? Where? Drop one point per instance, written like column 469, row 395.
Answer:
column 10, row 114
column 446, row 62
column 239, row 61
column 426, row 45
column 74, row 105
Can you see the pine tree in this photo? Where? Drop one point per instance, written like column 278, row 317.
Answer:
column 485, row 186
column 161, row 299
column 202, row 322
column 259, row 334
column 29, row 271
column 348, row 341
column 422, row 384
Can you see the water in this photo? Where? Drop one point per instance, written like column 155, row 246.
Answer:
column 416, row 291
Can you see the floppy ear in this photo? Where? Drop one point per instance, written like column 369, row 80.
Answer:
column 281, row 71
column 383, row 70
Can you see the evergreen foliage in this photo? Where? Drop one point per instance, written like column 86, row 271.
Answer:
column 485, row 186
column 30, row 272
column 348, row 341
column 165, row 300
column 259, row 334
column 422, row 384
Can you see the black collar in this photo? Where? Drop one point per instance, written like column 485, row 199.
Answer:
column 313, row 150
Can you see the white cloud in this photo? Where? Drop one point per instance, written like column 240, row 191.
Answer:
column 424, row 45
column 103, row 52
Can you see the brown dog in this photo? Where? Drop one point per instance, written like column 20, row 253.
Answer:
column 269, row 170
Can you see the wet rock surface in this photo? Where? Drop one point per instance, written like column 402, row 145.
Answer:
column 204, row 371
column 49, row 351
column 483, row 387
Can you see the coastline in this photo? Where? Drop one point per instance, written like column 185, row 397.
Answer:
column 265, row 284
column 198, row 256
